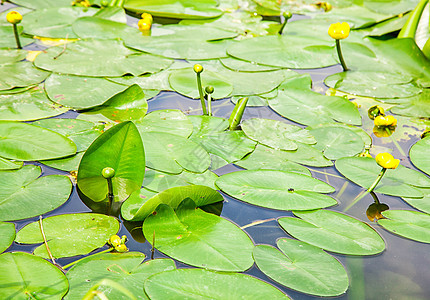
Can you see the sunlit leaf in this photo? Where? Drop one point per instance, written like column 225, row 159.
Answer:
column 7, row 231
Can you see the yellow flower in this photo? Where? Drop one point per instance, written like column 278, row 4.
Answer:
column 145, row 23
column 115, row 241
column 381, row 132
column 14, row 17
column 339, row 31
column 121, row 248
column 198, row 68
column 385, row 121
column 387, row 161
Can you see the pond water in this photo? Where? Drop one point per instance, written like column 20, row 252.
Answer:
column 400, row 272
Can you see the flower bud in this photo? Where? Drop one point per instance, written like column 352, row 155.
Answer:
column 375, row 111
column 145, row 23
column 14, row 17
column 339, row 31
column 209, row 89
column 198, row 68
column 108, row 172
column 115, row 241
column 121, row 248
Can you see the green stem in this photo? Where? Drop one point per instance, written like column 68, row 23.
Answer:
column 411, row 25
column 76, row 261
column 369, row 190
column 202, row 98
column 283, row 26
column 15, row 32
column 339, row 53
column 110, row 194
column 395, row 142
column 237, row 113
column 209, row 104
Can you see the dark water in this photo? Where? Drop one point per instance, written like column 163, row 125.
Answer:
column 400, row 272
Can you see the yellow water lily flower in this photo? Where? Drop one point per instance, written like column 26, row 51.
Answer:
column 198, row 68
column 14, row 17
column 385, row 121
column 339, row 31
column 145, row 23
column 387, row 161
column 115, row 241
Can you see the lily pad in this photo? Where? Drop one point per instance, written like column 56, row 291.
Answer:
column 172, row 153
column 7, row 231
column 133, row 203
column 239, row 65
column 65, row 164
column 198, row 238
column 8, row 37
column 201, row 195
column 183, row 9
column 336, row 232
column 277, row 189
column 26, row 274
column 423, row 203
column 415, row 106
column 90, row 231
column 184, row 82
column 100, row 28
column 27, row 142
column 36, row 4
column 409, row 224
column 276, row 134
column 97, row 53
column 171, row 121
column 24, row 195
column 119, row 148
column 6, row 164
column 419, row 155
column 126, row 269
column 67, row 90
column 189, row 282
column 400, row 182
column 297, row 102
column 11, row 75
column 336, row 142
column 29, row 105
column 302, row 267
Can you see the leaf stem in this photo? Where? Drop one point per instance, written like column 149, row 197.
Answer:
column 395, row 142
column 45, row 241
column 15, row 32
column 339, row 53
column 76, row 261
column 202, row 98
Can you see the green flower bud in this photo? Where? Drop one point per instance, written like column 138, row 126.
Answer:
column 108, row 172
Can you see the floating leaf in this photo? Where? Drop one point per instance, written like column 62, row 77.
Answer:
column 336, row 142
column 126, row 269
column 90, row 231
column 419, row 155
column 11, row 75
column 36, row 4
column 24, row 195
column 400, row 182
column 8, row 37
column 65, row 164
column 245, row 66
column 415, row 106
column 119, row 148
column 67, row 90
column 172, row 153
column 97, row 53
column 93, row 27
column 336, row 232
column 189, row 282
column 198, row 238
column 171, row 121
column 6, row 164
column 131, row 206
column 409, row 224
column 302, row 267
column 276, row 134
column 7, row 232
column 277, row 189
column 201, row 195
column 27, row 142
column 423, row 203
column 28, row 276
column 297, row 102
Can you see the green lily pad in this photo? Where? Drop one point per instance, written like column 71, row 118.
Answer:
column 128, row 105
column 184, row 82
column 184, row 42
column 26, row 274
column 302, row 267
column 54, row 22
column 131, row 206
column 90, row 231
column 8, row 37
column 172, row 153
column 298, row 52
column 297, row 102
column 423, row 203
column 400, row 182
column 198, row 238
column 277, row 189
column 183, row 9
column 36, row 4
column 6, row 164
column 11, row 56
column 419, row 155
column 125, row 269
column 336, row 142
column 100, row 28
column 352, row 237
column 239, row 65
column 189, row 283
column 269, row 158
column 7, row 231
column 27, row 142
column 171, row 121
column 67, row 90
column 409, row 224
column 119, row 148
column 201, row 195
column 276, row 134
column 24, row 195
column 65, row 164
column 97, row 53
column 160, row 181
column 11, row 75
column 29, row 105
column 415, row 106
column 390, row 7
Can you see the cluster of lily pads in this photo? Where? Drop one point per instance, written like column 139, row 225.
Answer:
column 157, row 168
